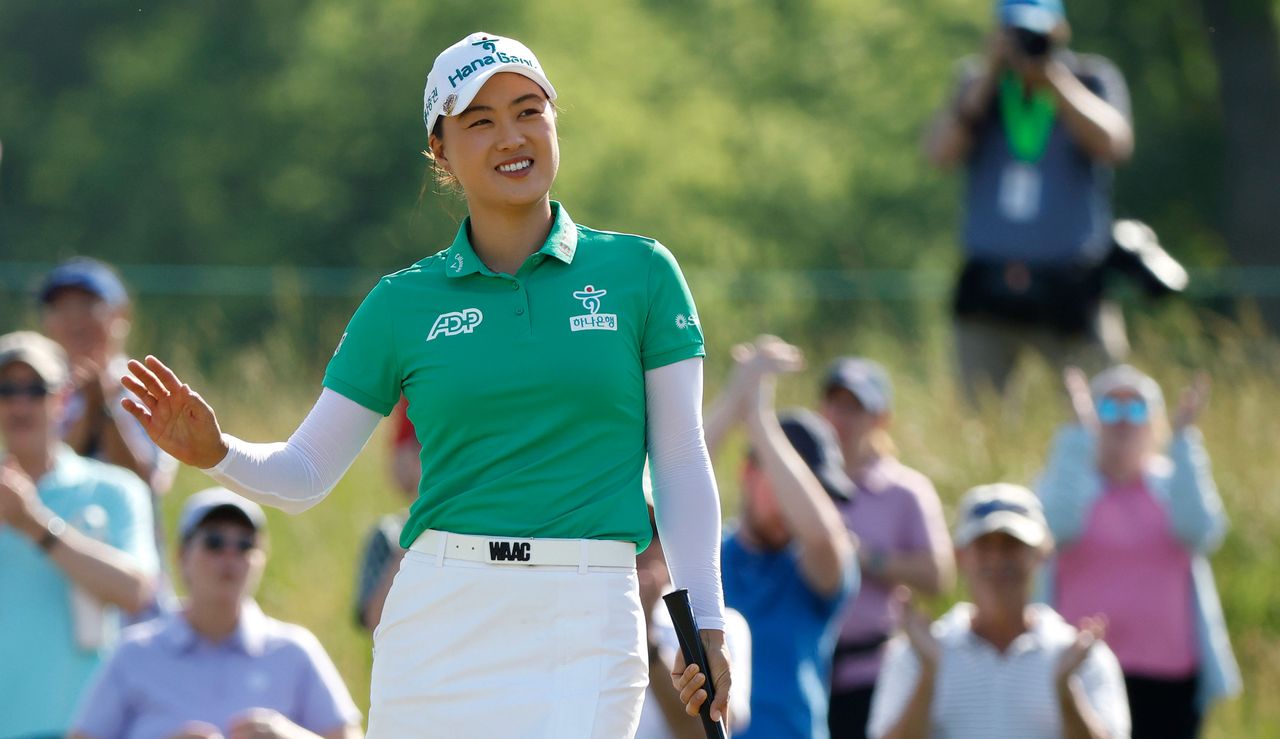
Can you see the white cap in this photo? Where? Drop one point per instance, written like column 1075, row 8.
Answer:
column 1004, row 508
column 462, row 69
column 40, row 353
column 1126, row 377
column 201, row 504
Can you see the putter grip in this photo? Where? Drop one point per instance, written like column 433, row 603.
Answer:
column 691, row 646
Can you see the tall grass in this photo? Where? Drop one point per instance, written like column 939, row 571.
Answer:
column 310, row 578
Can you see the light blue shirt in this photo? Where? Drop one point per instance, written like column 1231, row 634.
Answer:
column 165, row 675
column 44, row 670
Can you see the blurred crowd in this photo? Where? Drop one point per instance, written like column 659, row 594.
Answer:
column 1091, row 608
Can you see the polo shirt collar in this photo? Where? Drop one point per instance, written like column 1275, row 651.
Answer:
column 249, row 637
column 561, row 244
column 69, row 469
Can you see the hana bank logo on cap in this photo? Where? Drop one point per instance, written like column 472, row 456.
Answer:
column 462, row 69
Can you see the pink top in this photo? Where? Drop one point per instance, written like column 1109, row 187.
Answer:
column 895, row 510
column 1128, row 565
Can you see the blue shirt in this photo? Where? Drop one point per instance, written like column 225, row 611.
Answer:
column 42, row 667
column 165, row 675
column 1073, row 215
column 793, row 635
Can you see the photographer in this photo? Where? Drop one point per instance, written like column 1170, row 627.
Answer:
column 1038, row 129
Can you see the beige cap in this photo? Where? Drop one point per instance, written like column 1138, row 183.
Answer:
column 1000, row 508
column 38, row 352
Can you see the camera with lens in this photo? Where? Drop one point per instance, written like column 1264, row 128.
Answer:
column 1032, row 44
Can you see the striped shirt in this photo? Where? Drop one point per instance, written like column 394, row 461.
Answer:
column 985, row 694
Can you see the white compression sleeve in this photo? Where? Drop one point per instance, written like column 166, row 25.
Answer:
column 685, row 497
column 296, row 474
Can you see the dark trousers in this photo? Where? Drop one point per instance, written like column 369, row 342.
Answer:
column 849, row 712
column 1163, row 709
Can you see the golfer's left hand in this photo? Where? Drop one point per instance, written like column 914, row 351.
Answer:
column 689, row 679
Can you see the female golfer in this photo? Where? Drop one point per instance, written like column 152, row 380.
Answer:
column 541, row 360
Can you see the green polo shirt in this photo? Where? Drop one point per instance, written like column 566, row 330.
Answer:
column 526, row 391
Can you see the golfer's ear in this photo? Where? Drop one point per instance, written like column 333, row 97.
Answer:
column 436, row 150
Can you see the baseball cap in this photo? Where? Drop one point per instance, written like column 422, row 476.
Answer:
column 204, row 503
column 1034, row 15
column 1127, row 377
column 88, row 274
column 866, row 379
column 1000, row 507
column 462, row 69
column 40, row 353
column 815, row 441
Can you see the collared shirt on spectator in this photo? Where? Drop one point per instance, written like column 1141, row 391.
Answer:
column 981, row 693
column 44, row 666
column 165, row 675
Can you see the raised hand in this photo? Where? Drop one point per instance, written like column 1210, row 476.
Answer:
column 916, row 625
column 1077, row 384
column 774, row 356
column 1193, row 401
column 176, row 418
column 1090, row 632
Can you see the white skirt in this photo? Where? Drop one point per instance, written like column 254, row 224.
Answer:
column 471, row 649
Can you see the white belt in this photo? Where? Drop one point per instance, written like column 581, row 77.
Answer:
column 506, row 550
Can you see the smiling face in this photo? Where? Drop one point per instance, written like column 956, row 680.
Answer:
column 502, row 148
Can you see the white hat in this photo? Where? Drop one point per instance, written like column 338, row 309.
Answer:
column 1004, row 508
column 462, row 69
column 1126, row 377
column 201, row 504
column 38, row 352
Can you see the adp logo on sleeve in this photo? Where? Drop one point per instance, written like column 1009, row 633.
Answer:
column 458, row 322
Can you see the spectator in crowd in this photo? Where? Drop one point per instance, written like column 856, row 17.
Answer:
column 663, row 715
column 901, row 531
column 1000, row 666
column 220, row 667
column 1135, row 528
column 789, row 566
column 1038, row 129
column 75, row 546
column 86, row 309
column 382, row 551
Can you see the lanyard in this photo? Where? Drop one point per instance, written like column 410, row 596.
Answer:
column 1028, row 120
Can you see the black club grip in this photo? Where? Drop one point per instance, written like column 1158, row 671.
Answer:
column 691, row 645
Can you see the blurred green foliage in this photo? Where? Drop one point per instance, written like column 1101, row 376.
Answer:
column 740, row 133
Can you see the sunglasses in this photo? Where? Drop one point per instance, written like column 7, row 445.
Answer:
column 13, row 390
column 1112, row 411
column 216, row 542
